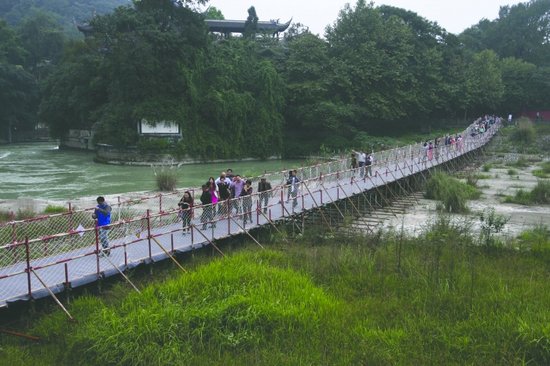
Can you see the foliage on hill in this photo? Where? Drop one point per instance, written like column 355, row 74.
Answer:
column 65, row 12
column 378, row 70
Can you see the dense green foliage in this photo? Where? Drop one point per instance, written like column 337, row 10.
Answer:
column 66, row 12
column 376, row 71
column 452, row 193
column 439, row 298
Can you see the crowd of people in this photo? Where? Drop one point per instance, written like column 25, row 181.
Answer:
column 363, row 162
column 219, row 198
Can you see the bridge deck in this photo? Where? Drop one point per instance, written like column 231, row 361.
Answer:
column 73, row 258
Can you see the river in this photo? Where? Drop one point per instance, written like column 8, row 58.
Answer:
column 43, row 172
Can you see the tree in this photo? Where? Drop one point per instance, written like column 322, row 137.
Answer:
column 520, row 86
column 43, row 39
column 484, row 87
column 521, row 31
column 213, row 13
column 18, row 90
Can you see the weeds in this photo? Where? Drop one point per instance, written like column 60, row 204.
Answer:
column 491, row 224
column 166, row 177
column 544, row 171
column 540, row 194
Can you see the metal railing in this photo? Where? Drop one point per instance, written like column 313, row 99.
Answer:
column 66, row 248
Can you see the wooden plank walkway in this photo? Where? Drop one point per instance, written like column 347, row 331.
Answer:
column 76, row 259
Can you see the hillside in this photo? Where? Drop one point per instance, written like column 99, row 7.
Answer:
column 64, row 10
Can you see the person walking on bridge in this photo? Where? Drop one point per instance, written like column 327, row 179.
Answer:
column 361, row 160
column 102, row 215
column 293, row 183
column 264, row 188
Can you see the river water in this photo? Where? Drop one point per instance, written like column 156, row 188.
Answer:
column 41, row 171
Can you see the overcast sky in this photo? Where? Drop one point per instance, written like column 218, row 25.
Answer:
column 453, row 15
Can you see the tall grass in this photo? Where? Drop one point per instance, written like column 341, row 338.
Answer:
column 321, row 301
column 166, row 178
column 452, row 193
column 540, row 194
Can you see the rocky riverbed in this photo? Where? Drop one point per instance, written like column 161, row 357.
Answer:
column 499, row 181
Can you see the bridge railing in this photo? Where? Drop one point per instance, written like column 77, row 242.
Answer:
column 64, row 250
column 125, row 208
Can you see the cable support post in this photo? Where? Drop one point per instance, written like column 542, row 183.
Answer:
column 169, row 255
column 318, row 207
column 208, row 240
column 247, row 233
column 355, row 207
column 381, row 195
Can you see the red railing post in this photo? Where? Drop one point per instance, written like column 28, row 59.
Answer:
column 149, row 233
column 97, row 246
column 228, row 204
column 28, row 269
column 282, row 201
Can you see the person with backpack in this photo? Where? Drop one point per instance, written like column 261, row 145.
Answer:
column 102, row 215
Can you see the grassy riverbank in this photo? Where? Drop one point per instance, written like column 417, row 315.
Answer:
column 439, row 298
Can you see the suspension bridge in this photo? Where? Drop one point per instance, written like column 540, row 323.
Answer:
column 46, row 255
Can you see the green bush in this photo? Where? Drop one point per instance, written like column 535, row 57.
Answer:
column 538, row 241
column 487, row 167
column 166, row 178
column 452, row 193
column 541, row 192
column 512, row 172
column 544, row 171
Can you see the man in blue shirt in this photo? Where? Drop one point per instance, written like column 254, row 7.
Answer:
column 102, row 214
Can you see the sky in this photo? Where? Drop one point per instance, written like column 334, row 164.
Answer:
column 453, row 15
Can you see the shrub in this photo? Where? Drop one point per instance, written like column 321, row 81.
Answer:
column 491, row 223
column 520, row 163
column 451, row 192
column 525, row 133
column 538, row 240
column 541, row 192
column 166, row 178
column 487, row 167
column 544, row 171
column 512, row 172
